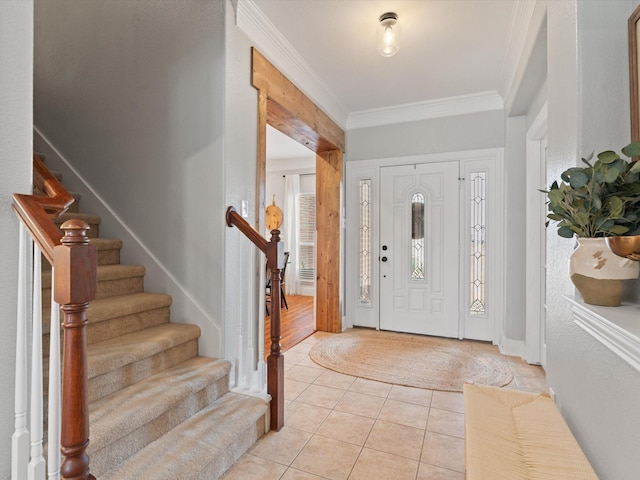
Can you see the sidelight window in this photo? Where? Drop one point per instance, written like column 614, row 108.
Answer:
column 365, row 242
column 417, row 237
column 478, row 229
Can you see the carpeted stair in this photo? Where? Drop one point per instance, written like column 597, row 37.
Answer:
column 157, row 409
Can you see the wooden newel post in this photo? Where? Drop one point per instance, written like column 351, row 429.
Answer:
column 275, row 361
column 75, row 284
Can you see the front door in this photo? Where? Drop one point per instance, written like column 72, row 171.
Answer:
column 419, row 248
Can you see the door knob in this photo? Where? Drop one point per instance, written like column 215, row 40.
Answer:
column 384, row 259
column 384, row 247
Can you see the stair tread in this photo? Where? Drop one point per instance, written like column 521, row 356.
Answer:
column 194, row 444
column 105, row 273
column 117, row 352
column 116, row 415
column 108, row 308
column 105, row 243
column 102, row 309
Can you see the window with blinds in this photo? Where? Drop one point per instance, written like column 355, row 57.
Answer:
column 306, row 236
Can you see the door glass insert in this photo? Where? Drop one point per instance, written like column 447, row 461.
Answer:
column 365, row 242
column 478, row 244
column 417, row 237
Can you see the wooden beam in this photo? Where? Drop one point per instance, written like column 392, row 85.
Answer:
column 295, row 115
column 261, row 176
column 328, row 178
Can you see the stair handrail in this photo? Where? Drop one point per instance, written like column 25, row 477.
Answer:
column 74, row 285
column 34, row 210
column 274, row 250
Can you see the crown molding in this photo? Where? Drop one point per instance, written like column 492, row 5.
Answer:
column 277, row 49
column 526, row 20
column 412, row 112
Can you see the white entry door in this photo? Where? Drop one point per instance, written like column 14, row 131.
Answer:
column 419, row 248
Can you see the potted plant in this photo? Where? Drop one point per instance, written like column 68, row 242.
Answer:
column 599, row 200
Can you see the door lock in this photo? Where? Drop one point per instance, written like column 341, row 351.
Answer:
column 384, row 259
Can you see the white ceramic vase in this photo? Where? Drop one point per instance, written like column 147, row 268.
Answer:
column 597, row 272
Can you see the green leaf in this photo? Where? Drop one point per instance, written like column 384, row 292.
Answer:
column 618, row 230
column 615, row 206
column 635, row 167
column 632, row 150
column 608, row 156
column 611, row 175
column 578, row 179
column 555, row 196
column 565, row 232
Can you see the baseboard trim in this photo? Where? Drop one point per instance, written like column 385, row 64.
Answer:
column 513, row 348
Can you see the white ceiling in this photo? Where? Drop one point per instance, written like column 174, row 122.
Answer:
column 449, row 48
column 281, row 147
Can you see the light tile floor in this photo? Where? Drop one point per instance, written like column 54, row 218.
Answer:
column 340, row 427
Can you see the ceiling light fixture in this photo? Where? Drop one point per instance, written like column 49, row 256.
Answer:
column 387, row 34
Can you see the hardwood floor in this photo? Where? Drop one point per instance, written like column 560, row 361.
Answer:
column 297, row 322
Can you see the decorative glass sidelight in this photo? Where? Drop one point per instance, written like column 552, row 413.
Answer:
column 417, row 237
column 478, row 226
column 365, row 242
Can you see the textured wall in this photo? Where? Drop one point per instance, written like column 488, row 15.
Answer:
column 597, row 392
column 132, row 95
column 450, row 134
column 16, row 73
column 515, row 188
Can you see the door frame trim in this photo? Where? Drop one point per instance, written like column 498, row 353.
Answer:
column 535, row 238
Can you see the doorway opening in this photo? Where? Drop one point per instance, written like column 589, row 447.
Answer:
column 284, row 107
column 290, row 184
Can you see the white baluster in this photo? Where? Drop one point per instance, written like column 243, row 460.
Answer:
column 53, row 436
column 37, row 467
column 20, row 439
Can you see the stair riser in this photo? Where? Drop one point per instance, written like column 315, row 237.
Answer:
column 115, row 327
column 225, row 460
column 114, row 380
column 107, row 288
column 109, row 257
column 115, row 453
column 121, row 286
column 105, row 257
column 97, row 332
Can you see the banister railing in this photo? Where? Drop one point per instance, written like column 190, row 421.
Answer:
column 274, row 250
column 73, row 285
column 34, row 210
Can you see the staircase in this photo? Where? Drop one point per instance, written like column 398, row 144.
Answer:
column 157, row 409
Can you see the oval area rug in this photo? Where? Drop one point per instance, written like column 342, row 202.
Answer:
column 412, row 360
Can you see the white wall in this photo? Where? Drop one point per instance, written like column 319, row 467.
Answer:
column 278, row 168
column 242, row 258
column 597, row 392
column 16, row 84
column 132, row 95
column 438, row 135
column 514, row 174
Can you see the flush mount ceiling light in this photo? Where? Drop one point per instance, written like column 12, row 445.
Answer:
column 387, row 34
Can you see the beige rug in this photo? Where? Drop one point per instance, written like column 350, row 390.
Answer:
column 413, row 360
